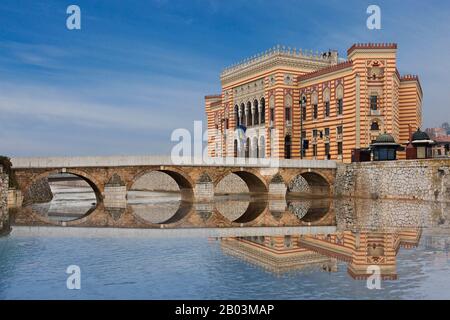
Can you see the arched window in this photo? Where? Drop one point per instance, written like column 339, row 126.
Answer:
column 263, row 110
column 235, row 149
column 288, row 105
column 303, row 101
column 256, row 114
column 236, row 115
column 315, row 102
column 262, row 147
column 287, row 147
column 255, row 147
column 340, row 99
column 247, row 148
column 374, row 102
column 326, row 99
column 242, row 115
column 374, row 126
column 272, row 108
column 249, row 114
column 225, row 118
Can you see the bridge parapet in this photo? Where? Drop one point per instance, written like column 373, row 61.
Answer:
column 128, row 161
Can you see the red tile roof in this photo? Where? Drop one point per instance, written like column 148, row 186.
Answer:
column 442, row 139
column 213, row 96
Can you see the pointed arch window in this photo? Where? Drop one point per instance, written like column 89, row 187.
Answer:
column 375, row 126
column 263, row 110
column 315, row 104
column 256, row 113
column 340, row 99
column 303, row 101
column 326, row 99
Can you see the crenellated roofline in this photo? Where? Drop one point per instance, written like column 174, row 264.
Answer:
column 371, row 46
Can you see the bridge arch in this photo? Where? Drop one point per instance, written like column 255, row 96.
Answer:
column 47, row 210
column 254, row 181
column 310, row 183
column 182, row 179
column 96, row 186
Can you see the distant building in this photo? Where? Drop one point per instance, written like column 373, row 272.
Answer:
column 436, row 132
column 441, row 137
column 296, row 104
column 441, row 147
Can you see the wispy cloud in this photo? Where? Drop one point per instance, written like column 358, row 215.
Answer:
column 147, row 112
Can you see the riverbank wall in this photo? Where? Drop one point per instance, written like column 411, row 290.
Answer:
column 4, row 185
column 427, row 180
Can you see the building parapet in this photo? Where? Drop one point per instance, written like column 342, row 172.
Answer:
column 306, row 56
column 409, row 77
column 371, row 46
column 412, row 77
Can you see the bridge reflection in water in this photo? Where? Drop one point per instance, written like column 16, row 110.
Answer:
column 166, row 210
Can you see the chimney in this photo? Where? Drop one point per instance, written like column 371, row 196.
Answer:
column 411, row 152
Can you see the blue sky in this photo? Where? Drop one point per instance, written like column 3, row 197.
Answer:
column 139, row 69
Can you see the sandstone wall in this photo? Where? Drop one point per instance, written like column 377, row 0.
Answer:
column 4, row 185
column 409, row 179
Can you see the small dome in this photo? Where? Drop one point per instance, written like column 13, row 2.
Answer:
column 385, row 138
column 420, row 135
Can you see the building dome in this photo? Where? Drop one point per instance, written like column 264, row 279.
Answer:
column 385, row 138
column 420, row 136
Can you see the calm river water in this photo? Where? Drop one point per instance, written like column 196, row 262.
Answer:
column 408, row 243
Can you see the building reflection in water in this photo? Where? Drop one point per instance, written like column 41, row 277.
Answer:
column 277, row 254
column 358, row 250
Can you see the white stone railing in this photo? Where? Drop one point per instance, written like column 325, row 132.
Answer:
column 126, row 161
column 277, row 51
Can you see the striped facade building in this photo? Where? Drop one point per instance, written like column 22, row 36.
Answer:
column 304, row 105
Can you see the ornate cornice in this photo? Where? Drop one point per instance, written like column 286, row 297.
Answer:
column 279, row 56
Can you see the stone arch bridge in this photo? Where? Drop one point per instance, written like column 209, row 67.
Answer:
column 112, row 177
